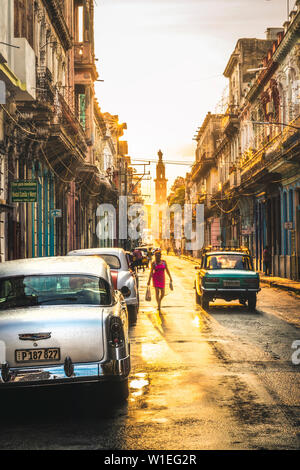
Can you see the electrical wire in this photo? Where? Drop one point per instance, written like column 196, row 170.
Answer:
column 227, row 212
column 17, row 124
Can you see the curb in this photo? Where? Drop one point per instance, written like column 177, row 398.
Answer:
column 282, row 286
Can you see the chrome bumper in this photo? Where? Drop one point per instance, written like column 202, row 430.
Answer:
column 214, row 289
column 54, row 375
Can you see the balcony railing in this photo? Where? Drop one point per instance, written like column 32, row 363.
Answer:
column 60, row 102
column 45, row 90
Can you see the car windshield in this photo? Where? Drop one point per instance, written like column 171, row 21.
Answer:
column 62, row 289
column 228, row 261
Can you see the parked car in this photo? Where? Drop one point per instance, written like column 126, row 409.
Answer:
column 226, row 274
column 62, row 322
column 123, row 276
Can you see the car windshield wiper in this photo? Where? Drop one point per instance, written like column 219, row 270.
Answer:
column 57, row 298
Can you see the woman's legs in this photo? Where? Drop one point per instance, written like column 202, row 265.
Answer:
column 160, row 293
column 157, row 293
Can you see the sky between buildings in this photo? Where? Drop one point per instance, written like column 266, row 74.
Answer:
column 162, row 63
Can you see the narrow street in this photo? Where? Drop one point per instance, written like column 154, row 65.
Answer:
column 222, row 379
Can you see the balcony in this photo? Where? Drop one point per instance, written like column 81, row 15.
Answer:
column 230, row 122
column 203, row 165
column 56, row 110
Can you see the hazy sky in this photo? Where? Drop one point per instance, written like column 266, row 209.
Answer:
column 162, row 63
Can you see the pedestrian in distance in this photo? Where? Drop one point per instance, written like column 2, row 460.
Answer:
column 267, row 260
column 149, row 255
column 157, row 274
column 138, row 257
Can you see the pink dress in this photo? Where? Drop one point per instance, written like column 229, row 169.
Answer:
column 159, row 275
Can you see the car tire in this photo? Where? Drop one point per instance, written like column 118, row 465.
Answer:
column 132, row 313
column 121, row 392
column 197, row 297
column 204, row 302
column 117, row 392
column 252, row 302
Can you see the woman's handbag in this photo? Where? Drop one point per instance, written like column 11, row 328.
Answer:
column 171, row 285
column 148, row 294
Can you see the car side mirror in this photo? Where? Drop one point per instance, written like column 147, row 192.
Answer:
column 125, row 291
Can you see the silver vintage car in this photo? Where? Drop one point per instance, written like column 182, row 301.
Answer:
column 62, row 322
column 123, row 277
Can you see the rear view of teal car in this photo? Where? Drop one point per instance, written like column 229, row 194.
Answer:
column 226, row 274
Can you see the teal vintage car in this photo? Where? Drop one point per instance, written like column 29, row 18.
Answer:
column 226, row 274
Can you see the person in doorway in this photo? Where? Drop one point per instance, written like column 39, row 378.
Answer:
column 267, row 261
column 157, row 273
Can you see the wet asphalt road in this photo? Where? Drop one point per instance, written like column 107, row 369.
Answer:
column 222, row 379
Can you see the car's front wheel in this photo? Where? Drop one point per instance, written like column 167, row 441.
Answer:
column 252, row 302
column 197, row 297
column 204, row 302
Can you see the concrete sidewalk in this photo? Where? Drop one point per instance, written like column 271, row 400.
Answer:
column 271, row 281
column 280, row 283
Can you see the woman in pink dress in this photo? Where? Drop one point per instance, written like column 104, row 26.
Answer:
column 157, row 273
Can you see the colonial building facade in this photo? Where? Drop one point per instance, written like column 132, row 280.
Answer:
column 250, row 185
column 53, row 135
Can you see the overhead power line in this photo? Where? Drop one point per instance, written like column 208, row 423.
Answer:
column 166, row 162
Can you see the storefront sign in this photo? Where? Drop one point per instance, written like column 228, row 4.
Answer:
column 24, row 191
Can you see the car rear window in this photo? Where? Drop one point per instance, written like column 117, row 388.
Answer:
column 112, row 260
column 62, row 289
column 228, row 261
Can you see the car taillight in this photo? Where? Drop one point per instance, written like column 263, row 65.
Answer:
column 212, row 279
column 116, row 332
column 251, row 282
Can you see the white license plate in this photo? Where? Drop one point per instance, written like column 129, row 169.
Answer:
column 232, row 283
column 36, row 355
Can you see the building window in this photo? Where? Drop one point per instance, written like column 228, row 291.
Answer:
column 80, row 104
column 82, row 109
column 79, row 22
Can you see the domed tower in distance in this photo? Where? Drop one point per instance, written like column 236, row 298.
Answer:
column 160, row 181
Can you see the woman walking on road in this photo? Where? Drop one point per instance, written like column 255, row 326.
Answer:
column 158, row 268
